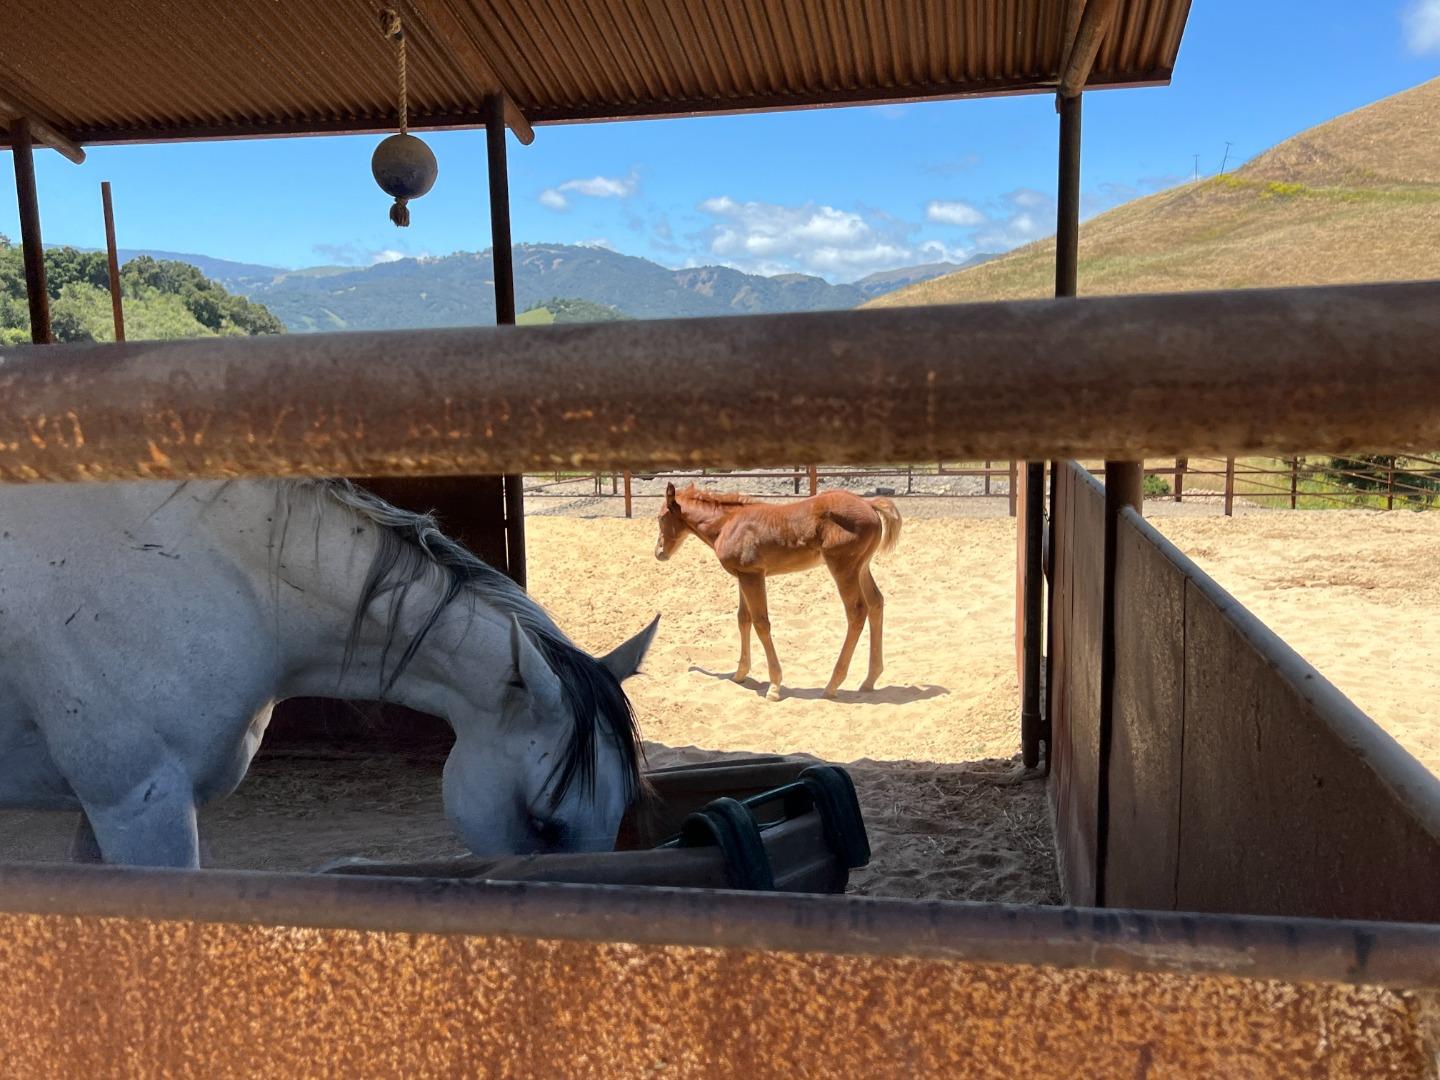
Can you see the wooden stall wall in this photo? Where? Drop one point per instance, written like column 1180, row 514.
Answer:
column 1075, row 693
column 1240, row 779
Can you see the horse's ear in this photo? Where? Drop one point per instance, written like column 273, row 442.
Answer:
column 625, row 659
column 540, row 681
column 671, row 503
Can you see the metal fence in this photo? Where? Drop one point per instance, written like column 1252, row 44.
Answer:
column 943, row 480
column 1377, row 482
column 1374, row 482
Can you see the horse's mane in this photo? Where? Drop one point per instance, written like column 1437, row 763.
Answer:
column 412, row 549
column 714, row 498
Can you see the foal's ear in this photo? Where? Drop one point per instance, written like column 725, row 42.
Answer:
column 541, row 683
column 672, row 504
column 625, row 659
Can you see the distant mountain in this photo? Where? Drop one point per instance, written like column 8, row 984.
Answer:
column 1356, row 198
column 235, row 276
column 878, row 284
column 457, row 290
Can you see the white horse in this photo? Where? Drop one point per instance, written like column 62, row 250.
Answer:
column 148, row 629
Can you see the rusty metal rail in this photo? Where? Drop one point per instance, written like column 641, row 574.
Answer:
column 1398, row 956
column 1344, row 369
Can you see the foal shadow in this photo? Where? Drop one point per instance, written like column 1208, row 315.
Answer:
column 884, row 695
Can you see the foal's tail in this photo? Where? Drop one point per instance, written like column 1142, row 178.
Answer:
column 889, row 524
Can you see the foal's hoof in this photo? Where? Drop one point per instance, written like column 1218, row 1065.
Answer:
column 773, row 694
column 831, row 692
column 740, row 675
column 867, row 686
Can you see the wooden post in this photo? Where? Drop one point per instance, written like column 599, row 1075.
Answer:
column 987, row 478
column 797, row 480
column 1229, row 487
column 814, row 479
column 1014, row 487
column 34, row 247
column 116, row 308
column 1124, row 487
column 1294, row 482
column 1390, row 486
column 629, row 507
column 1181, row 464
column 502, row 259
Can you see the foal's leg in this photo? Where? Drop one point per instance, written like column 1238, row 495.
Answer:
column 742, row 668
column 752, row 591
column 853, row 598
column 876, row 605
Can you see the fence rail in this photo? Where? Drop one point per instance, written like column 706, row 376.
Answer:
column 1377, row 482
column 1248, row 372
column 940, row 480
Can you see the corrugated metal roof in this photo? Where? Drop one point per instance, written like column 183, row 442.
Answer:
column 165, row 69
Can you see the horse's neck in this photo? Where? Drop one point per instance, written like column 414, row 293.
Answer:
column 706, row 519
column 309, row 564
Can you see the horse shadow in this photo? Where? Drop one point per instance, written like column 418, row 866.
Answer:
column 883, row 695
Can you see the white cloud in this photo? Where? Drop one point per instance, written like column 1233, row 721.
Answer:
column 386, row 255
column 598, row 242
column 1421, row 23
column 953, row 212
column 770, row 238
column 1018, row 217
column 939, row 251
column 594, row 187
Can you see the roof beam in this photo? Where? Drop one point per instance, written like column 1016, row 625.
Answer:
column 1080, row 57
column 450, row 32
column 41, row 129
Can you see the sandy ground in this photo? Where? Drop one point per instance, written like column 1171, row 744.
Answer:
column 1355, row 592
column 929, row 749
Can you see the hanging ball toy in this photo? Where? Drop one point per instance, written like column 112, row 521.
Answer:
column 405, row 169
column 403, row 166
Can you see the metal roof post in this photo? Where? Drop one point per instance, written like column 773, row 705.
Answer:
column 502, row 258
column 34, row 248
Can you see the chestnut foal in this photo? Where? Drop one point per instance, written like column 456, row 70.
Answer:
column 753, row 539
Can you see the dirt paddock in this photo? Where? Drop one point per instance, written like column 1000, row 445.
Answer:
column 932, row 750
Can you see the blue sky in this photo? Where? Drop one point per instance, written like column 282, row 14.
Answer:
column 836, row 192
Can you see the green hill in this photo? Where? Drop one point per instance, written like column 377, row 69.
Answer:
column 568, row 311
column 1354, row 199
column 162, row 299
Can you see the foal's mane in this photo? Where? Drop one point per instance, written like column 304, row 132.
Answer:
column 714, row 498
column 411, row 550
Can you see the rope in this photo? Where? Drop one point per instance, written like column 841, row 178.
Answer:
column 395, row 31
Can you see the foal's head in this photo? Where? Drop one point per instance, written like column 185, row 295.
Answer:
column 673, row 529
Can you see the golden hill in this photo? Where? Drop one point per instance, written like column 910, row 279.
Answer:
column 1354, row 199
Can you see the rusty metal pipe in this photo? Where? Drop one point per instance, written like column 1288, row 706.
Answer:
column 1345, row 369
column 1395, row 955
